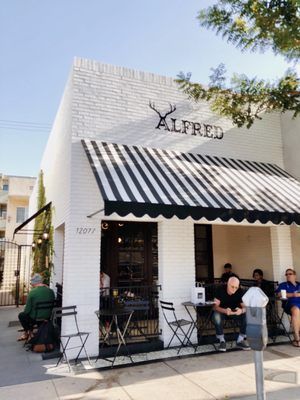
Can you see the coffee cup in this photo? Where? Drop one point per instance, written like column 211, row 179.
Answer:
column 283, row 293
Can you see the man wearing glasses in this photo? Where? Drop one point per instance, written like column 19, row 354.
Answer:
column 229, row 304
column 290, row 291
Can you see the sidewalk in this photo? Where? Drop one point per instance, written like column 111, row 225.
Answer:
column 24, row 375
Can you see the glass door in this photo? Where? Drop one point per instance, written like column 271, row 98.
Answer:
column 131, row 256
column 129, row 253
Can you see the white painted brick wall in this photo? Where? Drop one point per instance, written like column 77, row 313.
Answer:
column 58, row 257
column 290, row 132
column 282, row 256
column 295, row 235
column 82, row 251
column 176, row 257
column 281, row 251
column 111, row 103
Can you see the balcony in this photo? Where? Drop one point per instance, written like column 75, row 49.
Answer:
column 2, row 222
column 3, row 196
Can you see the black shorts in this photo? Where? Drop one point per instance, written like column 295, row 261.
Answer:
column 287, row 308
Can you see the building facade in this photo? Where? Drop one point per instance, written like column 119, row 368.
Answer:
column 154, row 188
column 15, row 192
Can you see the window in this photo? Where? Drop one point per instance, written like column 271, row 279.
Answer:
column 203, row 253
column 5, row 187
column 21, row 214
column 2, row 210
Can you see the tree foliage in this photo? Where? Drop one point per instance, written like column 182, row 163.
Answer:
column 246, row 99
column 43, row 250
column 254, row 25
column 257, row 25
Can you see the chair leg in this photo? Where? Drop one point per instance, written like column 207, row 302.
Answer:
column 64, row 354
column 186, row 336
column 182, row 341
column 174, row 334
column 83, row 348
column 287, row 332
column 189, row 334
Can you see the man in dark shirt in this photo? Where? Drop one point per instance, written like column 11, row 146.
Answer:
column 229, row 304
column 39, row 292
column 262, row 283
column 227, row 273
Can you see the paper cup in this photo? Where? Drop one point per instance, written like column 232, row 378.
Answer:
column 283, row 293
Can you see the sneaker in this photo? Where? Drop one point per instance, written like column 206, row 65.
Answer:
column 243, row 345
column 222, row 346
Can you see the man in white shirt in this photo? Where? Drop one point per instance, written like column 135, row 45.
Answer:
column 104, row 284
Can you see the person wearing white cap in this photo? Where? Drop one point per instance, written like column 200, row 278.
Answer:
column 39, row 292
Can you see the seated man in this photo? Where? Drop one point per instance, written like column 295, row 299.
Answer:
column 228, row 304
column 262, row 283
column 227, row 273
column 292, row 306
column 39, row 292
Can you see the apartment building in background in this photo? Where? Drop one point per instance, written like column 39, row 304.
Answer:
column 15, row 192
column 15, row 259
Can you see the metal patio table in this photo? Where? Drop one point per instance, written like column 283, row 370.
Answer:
column 116, row 315
column 199, row 327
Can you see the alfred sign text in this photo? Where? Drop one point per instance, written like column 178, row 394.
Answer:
column 185, row 126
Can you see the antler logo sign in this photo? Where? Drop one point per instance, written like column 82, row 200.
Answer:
column 162, row 118
column 185, row 126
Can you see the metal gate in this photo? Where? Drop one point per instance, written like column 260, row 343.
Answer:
column 15, row 267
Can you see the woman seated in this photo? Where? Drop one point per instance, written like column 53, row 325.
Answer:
column 292, row 306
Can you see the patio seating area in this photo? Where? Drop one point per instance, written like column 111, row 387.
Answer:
column 142, row 334
column 129, row 329
column 154, row 351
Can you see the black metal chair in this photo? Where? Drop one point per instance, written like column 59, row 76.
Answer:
column 281, row 317
column 43, row 306
column 70, row 312
column 177, row 326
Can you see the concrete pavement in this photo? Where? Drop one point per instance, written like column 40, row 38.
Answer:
column 24, row 375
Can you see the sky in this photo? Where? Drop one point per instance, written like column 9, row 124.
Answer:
column 40, row 38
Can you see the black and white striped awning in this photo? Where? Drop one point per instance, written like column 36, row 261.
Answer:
column 142, row 180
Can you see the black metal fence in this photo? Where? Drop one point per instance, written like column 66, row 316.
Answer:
column 15, row 267
column 143, row 300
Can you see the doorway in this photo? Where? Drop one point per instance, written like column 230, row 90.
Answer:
column 129, row 252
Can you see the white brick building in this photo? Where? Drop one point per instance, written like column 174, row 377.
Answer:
column 111, row 104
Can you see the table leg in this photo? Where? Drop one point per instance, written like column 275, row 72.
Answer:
column 191, row 329
column 107, row 333
column 121, row 337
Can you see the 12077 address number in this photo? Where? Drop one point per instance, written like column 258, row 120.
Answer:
column 85, row 231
